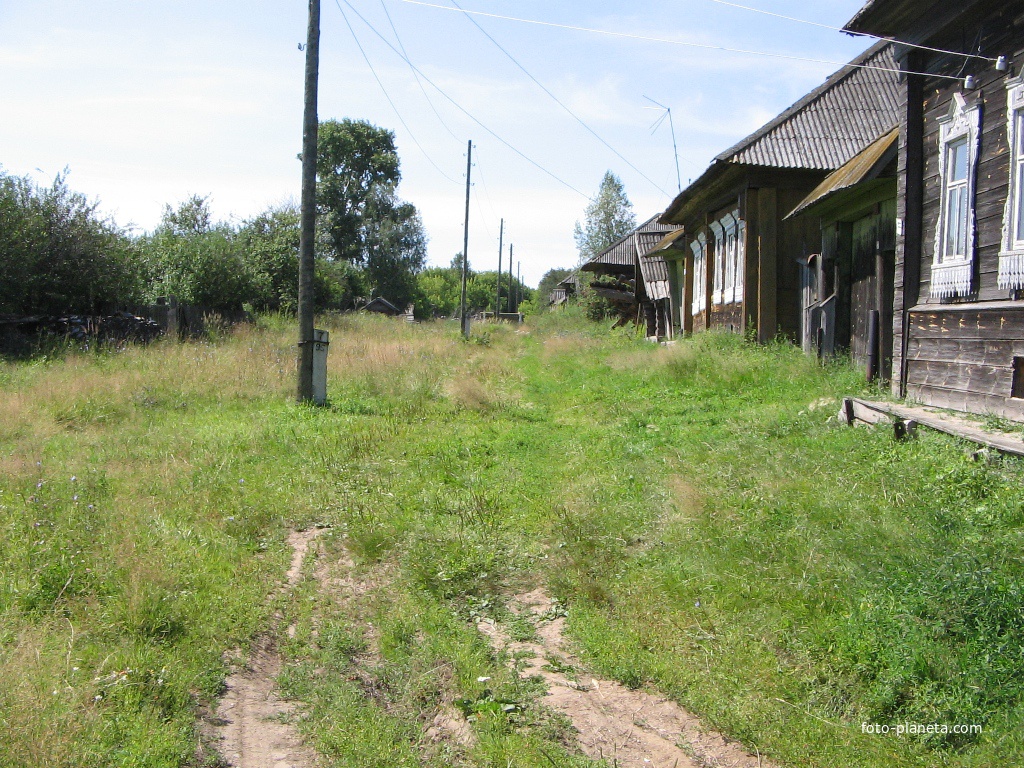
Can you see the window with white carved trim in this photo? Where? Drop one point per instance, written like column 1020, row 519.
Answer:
column 732, row 279
column 953, row 257
column 716, row 258
column 699, row 246
column 740, row 251
column 1011, row 254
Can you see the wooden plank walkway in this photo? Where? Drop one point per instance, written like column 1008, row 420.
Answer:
column 906, row 418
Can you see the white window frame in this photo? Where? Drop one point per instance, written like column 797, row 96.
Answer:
column 1011, row 254
column 716, row 252
column 730, row 256
column 741, row 250
column 955, row 276
column 699, row 246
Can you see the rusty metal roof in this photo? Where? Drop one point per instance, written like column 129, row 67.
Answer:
column 863, row 167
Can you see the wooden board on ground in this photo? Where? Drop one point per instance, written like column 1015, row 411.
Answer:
column 873, row 412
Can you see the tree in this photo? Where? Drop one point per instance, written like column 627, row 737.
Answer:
column 608, row 217
column 58, row 254
column 197, row 261
column 441, row 288
column 270, row 243
column 357, row 174
column 362, row 221
column 396, row 252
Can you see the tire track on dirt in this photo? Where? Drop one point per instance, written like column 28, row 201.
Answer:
column 251, row 727
column 628, row 728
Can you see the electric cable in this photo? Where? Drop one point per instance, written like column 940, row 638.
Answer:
column 854, row 34
column 392, row 103
column 458, row 106
column 685, row 44
column 417, row 77
column 559, row 102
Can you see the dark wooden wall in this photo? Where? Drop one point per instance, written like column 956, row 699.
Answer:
column 959, row 353
column 727, row 317
column 964, row 358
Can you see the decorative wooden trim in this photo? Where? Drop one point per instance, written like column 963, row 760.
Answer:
column 956, row 278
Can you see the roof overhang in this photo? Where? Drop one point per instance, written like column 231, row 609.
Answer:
column 864, row 167
column 910, row 21
column 719, row 178
column 670, row 247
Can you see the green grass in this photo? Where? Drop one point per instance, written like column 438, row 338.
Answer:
column 710, row 528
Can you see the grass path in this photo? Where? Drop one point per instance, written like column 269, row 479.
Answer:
column 710, row 532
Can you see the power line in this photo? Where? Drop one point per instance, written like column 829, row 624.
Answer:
column 458, row 106
column 392, row 103
column 683, row 43
column 855, row 34
column 576, row 117
column 415, row 75
column 487, row 192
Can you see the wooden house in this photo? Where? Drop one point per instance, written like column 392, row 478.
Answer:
column 847, row 285
column 565, row 290
column 738, row 265
column 958, row 319
column 638, row 292
column 382, row 306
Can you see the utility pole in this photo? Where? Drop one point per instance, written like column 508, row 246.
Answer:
column 497, row 293
column 519, row 284
column 508, row 303
column 307, row 232
column 465, row 243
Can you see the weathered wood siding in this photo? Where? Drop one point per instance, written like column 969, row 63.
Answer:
column 958, row 355
column 963, row 358
column 727, row 317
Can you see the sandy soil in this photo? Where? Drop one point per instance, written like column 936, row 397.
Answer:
column 252, row 726
column 625, row 727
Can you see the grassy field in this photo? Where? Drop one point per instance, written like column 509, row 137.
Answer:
column 711, row 530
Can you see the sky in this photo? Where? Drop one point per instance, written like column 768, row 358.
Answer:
column 147, row 103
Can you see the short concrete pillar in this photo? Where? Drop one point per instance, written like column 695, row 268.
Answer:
column 321, row 340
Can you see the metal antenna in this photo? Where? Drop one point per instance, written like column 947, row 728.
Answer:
column 672, row 128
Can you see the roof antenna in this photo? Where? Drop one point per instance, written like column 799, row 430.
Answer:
column 672, row 128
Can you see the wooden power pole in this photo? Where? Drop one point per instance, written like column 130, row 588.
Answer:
column 519, row 284
column 465, row 243
column 508, row 303
column 308, row 226
column 497, row 291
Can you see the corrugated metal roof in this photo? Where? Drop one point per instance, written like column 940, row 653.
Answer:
column 624, row 251
column 899, row 18
column 832, row 123
column 820, row 132
column 655, row 274
column 863, row 167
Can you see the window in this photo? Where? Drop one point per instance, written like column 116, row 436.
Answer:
column 1011, row 254
column 700, row 273
column 724, row 249
column 716, row 254
column 953, row 260
column 1017, row 383
column 955, row 247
